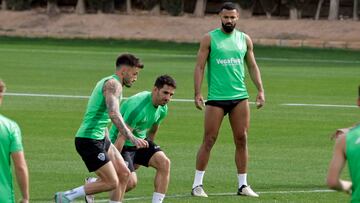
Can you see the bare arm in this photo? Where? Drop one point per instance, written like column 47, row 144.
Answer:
column 120, row 141
column 112, row 90
column 336, row 165
column 254, row 72
column 152, row 132
column 22, row 174
column 202, row 56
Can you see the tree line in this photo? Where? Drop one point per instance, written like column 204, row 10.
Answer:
column 293, row 9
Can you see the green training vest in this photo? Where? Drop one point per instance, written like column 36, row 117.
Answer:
column 226, row 76
column 353, row 157
column 10, row 142
column 96, row 117
column 140, row 114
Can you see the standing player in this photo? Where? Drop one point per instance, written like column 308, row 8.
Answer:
column 143, row 114
column 11, row 146
column 347, row 147
column 225, row 50
column 91, row 141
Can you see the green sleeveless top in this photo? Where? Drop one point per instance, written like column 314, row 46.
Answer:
column 10, row 142
column 96, row 117
column 353, row 157
column 226, row 66
column 140, row 114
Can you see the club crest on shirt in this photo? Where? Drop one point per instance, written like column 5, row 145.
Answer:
column 101, row 156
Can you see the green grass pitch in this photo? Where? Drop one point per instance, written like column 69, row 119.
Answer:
column 289, row 146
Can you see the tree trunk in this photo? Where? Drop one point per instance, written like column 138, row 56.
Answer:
column 107, row 6
column 4, row 5
column 269, row 7
column 245, row 13
column 128, row 7
column 200, row 8
column 52, row 8
column 268, row 15
column 155, row 10
column 293, row 14
column 80, row 7
column 318, row 9
column 355, row 11
column 334, row 10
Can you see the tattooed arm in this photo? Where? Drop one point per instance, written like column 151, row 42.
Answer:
column 112, row 90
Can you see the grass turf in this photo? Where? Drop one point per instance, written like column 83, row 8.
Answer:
column 289, row 146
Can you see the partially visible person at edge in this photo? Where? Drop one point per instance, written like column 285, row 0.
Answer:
column 11, row 148
column 347, row 148
column 226, row 50
column 92, row 141
column 143, row 113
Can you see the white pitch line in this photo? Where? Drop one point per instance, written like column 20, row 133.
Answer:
column 47, row 95
column 73, row 96
column 175, row 100
column 322, row 105
column 174, row 55
column 175, row 196
column 178, row 196
column 92, row 52
column 306, row 60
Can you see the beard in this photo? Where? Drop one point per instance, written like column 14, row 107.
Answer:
column 127, row 82
column 228, row 28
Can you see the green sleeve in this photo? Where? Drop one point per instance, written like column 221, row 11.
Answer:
column 163, row 114
column 16, row 144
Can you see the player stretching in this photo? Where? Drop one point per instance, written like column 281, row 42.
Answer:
column 91, row 141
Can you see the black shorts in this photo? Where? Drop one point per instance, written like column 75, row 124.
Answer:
column 226, row 105
column 141, row 156
column 93, row 152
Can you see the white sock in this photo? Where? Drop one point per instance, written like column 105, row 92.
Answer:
column 110, row 201
column 91, row 179
column 158, row 197
column 242, row 179
column 198, row 180
column 75, row 193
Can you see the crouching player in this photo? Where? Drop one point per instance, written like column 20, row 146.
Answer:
column 143, row 114
column 347, row 149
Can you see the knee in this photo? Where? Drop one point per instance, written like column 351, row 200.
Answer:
column 241, row 139
column 111, row 184
column 165, row 165
column 162, row 165
column 124, row 174
column 131, row 184
column 209, row 142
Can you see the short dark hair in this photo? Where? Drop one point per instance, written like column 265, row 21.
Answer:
column 2, row 87
column 129, row 60
column 229, row 6
column 164, row 80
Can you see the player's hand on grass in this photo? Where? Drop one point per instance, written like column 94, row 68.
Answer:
column 24, row 201
column 260, row 100
column 199, row 101
column 346, row 186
